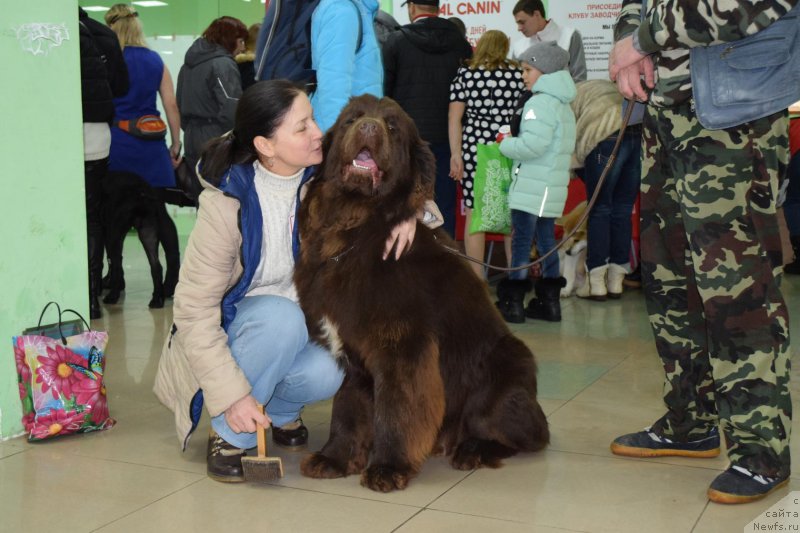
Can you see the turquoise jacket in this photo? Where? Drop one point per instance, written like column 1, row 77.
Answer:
column 343, row 71
column 543, row 149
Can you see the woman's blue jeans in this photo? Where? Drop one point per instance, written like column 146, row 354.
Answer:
column 269, row 341
column 609, row 223
column 524, row 227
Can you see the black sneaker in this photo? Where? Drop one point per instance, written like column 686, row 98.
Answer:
column 739, row 485
column 223, row 460
column 293, row 436
column 648, row 444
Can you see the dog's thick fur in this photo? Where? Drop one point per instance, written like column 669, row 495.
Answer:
column 572, row 255
column 430, row 365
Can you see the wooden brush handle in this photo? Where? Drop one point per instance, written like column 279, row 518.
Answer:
column 261, row 435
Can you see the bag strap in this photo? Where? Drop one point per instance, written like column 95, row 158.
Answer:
column 360, row 27
column 41, row 316
column 60, row 321
column 74, row 312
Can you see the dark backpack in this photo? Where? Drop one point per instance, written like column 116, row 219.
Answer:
column 283, row 49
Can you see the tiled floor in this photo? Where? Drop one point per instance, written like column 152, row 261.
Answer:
column 599, row 378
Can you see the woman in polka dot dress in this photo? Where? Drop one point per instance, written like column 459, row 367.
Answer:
column 482, row 98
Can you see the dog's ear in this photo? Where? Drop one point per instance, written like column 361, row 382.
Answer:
column 423, row 167
column 327, row 140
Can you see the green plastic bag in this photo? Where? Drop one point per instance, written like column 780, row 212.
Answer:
column 490, row 211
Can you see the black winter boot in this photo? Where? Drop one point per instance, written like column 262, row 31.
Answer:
column 94, row 174
column 794, row 266
column 511, row 295
column 95, row 246
column 547, row 303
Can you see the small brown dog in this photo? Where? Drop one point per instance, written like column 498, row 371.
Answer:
column 430, row 365
column 572, row 255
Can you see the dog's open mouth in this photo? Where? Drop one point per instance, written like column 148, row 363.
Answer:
column 364, row 163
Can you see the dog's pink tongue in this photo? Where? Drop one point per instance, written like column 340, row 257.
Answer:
column 364, row 161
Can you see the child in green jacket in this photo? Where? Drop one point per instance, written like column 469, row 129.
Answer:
column 541, row 147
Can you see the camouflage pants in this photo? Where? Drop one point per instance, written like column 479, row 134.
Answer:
column 711, row 261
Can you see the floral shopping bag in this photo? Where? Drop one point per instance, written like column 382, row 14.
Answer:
column 490, row 211
column 60, row 374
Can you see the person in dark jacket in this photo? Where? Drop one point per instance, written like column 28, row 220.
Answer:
column 209, row 85
column 104, row 76
column 420, row 60
column 246, row 59
column 385, row 24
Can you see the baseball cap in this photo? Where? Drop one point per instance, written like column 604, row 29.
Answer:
column 434, row 3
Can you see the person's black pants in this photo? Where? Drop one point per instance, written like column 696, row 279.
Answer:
column 94, row 174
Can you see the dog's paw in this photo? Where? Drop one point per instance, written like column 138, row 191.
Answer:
column 467, row 456
column 111, row 297
column 385, row 478
column 475, row 453
column 319, row 466
column 157, row 302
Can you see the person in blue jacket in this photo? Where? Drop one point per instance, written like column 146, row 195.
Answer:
column 348, row 63
column 541, row 147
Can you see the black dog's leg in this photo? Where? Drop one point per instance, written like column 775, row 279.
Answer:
column 350, row 438
column 168, row 237
column 148, row 235
column 116, row 229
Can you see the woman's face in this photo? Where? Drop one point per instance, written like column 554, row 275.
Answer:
column 240, row 47
column 530, row 75
column 296, row 143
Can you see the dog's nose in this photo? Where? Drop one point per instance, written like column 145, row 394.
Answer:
column 368, row 127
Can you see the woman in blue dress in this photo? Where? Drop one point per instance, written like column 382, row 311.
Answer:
column 149, row 159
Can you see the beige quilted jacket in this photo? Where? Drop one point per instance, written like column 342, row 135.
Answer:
column 196, row 353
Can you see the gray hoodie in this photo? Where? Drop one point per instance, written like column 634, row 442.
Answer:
column 209, row 88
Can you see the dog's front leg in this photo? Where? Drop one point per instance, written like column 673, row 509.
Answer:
column 409, row 409
column 350, row 438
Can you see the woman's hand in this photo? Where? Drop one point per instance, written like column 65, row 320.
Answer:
column 401, row 238
column 243, row 416
column 175, row 154
column 456, row 166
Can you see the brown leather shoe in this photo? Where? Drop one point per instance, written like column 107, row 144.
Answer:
column 293, row 436
column 223, row 460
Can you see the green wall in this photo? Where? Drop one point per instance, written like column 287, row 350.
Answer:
column 43, row 230
column 190, row 17
column 186, row 17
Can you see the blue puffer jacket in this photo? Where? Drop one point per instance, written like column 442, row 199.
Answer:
column 543, row 149
column 341, row 73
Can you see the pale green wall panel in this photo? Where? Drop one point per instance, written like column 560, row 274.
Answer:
column 43, row 230
column 186, row 17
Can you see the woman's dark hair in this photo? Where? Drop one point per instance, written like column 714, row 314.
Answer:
column 225, row 31
column 260, row 111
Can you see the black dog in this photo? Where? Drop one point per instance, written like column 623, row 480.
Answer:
column 131, row 202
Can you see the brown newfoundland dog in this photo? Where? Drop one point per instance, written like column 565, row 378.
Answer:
column 430, row 365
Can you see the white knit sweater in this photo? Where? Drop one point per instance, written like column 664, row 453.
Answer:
column 277, row 196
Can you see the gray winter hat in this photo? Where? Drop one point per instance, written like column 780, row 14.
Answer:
column 546, row 56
